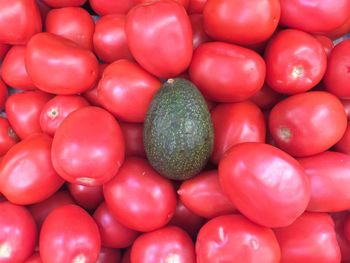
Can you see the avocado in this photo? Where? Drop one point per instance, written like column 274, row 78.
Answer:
column 178, row 132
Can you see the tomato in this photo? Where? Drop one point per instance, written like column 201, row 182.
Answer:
column 343, row 145
column 233, row 238
column 126, row 90
column 113, row 233
column 26, row 172
column 8, row 137
column 241, row 22
column 159, row 36
column 18, row 233
column 69, row 68
column 235, row 123
column 199, row 35
column 227, row 73
column 109, row 39
column 337, row 73
column 3, row 94
column 88, row 197
column 295, row 62
column 35, row 258
column 133, row 139
column 22, row 20
column 326, row 43
column 205, row 189
column 13, row 70
column 3, row 50
column 69, row 234
column 311, row 238
column 23, row 112
column 63, row 3
column 257, row 171
column 106, row 7
column 168, row 244
column 89, row 153
column 73, row 23
column 266, row 98
column 109, row 255
column 314, row 15
column 196, row 6
column 139, row 197
column 41, row 210
column 307, row 123
column 57, row 109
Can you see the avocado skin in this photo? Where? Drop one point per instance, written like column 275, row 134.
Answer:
column 178, row 132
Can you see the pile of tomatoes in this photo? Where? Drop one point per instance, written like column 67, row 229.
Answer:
column 77, row 78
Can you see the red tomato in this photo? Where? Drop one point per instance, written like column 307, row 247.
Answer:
column 159, row 36
column 235, row 123
column 3, row 50
column 295, row 62
column 35, row 258
column 314, row 15
column 73, row 23
column 88, row 197
column 343, row 145
column 233, row 238
column 196, row 6
column 3, row 94
column 13, row 70
column 199, row 35
column 106, row 7
column 139, row 197
column 266, row 98
column 311, row 238
column 26, row 172
column 113, row 233
column 241, row 22
column 18, row 233
column 109, row 39
column 69, row 68
column 109, row 255
column 41, row 210
column 307, row 123
column 326, row 43
column 69, row 234
column 23, row 111
column 63, row 3
column 337, row 74
column 168, row 244
column 205, row 189
column 8, row 137
column 91, row 152
column 257, row 171
column 57, row 109
column 126, row 90
column 133, row 139
column 227, row 73
column 21, row 19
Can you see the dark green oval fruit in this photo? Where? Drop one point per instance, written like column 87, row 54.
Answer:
column 178, row 131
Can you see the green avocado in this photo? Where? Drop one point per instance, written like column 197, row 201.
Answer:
column 178, row 132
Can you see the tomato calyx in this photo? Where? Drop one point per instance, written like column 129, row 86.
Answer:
column 284, row 134
column 297, row 71
column 5, row 250
column 53, row 113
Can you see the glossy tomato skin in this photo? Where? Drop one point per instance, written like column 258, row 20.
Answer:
column 73, row 23
column 126, row 90
column 159, row 36
column 18, row 233
column 236, row 21
column 167, row 244
column 266, row 98
column 227, row 73
column 307, row 123
column 311, row 238
column 107, row 7
column 343, row 145
column 88, row 197
column 109, row 255
column 69, row 234
column 23, row 111
column 26, row 172
column 133, row 139
column 337, row 74
column 257, row 171
column 314, row 16
column 8, row 137
column 63, row 3
column 19, row 31
column 110, row 43
column 235, row 123
column 100, row 150
column 205, row 189
column 295, row 62
column 13, row 70
column 199, row 34
column 57, row 109
column 113, row 233
column 326, row 43
column 69, row 68
column 233, row 238
column 139, row 197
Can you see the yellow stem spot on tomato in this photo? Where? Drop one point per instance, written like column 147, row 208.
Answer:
column 284, row 134
column 5, row 250
column 79, row 259
column 297, row 72
column 53, row 113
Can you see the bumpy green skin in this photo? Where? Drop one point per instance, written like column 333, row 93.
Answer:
column 178, row 132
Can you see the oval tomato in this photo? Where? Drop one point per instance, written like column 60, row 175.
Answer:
column 233, row 238
column 107, row 7
column 133, row 139
column 69, row 68
column 109, row 255
column 8, row 137
column 139, row 197
column 227, row 73
column 89, row 153
column 266, row 98
column 199, row 34
column 159, row 36
column 88, row 197
column 307, row 123
column 63, row 3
